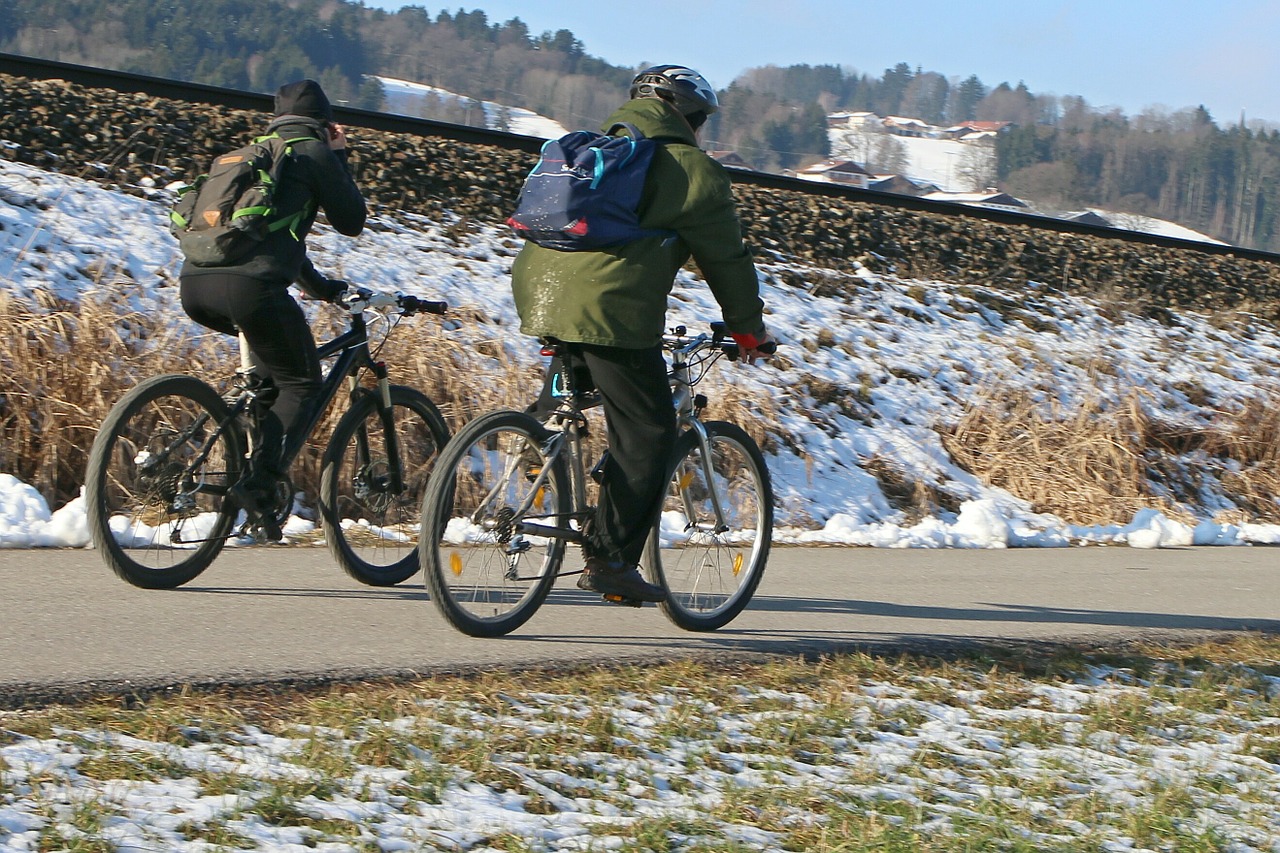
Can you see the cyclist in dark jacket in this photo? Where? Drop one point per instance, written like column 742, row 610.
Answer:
column 610, row 306
column 252, row 296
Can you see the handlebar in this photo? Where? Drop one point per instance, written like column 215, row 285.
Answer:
column 358, row 299
column 679, row 339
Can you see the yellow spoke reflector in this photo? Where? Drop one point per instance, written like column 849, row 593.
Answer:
column 455, row 564
column 537, row 499
column 737, row 563
column 686, row 479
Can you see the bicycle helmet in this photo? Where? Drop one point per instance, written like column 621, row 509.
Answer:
column 685, row 88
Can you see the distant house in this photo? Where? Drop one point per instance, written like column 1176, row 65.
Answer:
column 902, row 126
column 993, row 200
column 730, row 160
column 1088, row 217
column 986, row 126
column 854, row 119
column 844, row 172
column 902, row 185
column 974, row 131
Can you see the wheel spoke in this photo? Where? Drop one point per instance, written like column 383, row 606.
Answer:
column 486, row 575
column 158, row 473
column 372, row 503
column 711, row 562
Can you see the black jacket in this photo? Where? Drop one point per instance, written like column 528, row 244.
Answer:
column 317, row 174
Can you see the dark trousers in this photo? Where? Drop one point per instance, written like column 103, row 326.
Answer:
column 641, row 423
column 282, row 346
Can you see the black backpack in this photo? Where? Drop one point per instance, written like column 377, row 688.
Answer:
column 231, row 209
column 584, row 192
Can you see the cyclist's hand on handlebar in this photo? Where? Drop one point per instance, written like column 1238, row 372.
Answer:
column 337, row 289
column 752, row 347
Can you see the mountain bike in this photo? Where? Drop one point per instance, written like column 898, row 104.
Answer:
column 164, row 467
column 509, row 493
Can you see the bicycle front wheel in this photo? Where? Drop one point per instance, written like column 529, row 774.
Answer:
column 372, row 483
column 709, row 562
column 487, row 575
column 156, row 485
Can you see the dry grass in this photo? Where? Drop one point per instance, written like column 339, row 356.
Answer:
column 63, row 365
column 1100, row 461
column 1084, row 464
column 916, row 499
column 1156, row 744
column 1250, row 436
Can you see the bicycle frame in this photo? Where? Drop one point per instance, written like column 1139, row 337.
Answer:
column 572, row 418
column 352, row 351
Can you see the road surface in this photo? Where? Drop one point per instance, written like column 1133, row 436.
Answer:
column 69, row 627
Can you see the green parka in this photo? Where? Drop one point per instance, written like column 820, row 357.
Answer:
column 618, row 296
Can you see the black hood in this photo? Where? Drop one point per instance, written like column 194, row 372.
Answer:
column 303, row 98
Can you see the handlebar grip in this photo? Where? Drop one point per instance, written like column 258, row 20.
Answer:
column 413, row 305
column 733, row 351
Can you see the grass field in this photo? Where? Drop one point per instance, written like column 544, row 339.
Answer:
column 1065, row 749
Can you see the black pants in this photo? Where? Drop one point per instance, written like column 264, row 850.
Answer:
column 641, row 422
column 281, row 343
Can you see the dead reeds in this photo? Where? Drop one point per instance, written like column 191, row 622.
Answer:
column 1099, row 460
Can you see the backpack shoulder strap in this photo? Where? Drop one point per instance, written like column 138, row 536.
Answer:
column 632, row 131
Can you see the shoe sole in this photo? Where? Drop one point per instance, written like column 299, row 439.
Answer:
column 616, row 595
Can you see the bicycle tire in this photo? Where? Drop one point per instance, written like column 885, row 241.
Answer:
column 371, row 531
column 156, row 523
column 485, row 578
column 710, row 575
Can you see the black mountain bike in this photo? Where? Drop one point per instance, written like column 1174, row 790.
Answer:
column 169, row 454
column 508, row 495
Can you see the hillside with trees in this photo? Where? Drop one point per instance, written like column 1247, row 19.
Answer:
column 1060, row 153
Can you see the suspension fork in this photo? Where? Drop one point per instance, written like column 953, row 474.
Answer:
column 386, row 413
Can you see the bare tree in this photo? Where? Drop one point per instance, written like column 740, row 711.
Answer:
column 889, row 156
column 977, row 166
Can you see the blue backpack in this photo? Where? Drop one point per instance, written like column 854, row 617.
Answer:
column 584, row 193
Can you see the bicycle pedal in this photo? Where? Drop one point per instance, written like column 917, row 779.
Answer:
column 625, row 602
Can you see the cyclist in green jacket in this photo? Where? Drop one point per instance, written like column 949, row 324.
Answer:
column 609, row 306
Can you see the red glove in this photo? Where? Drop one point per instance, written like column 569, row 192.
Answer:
column 752, row 347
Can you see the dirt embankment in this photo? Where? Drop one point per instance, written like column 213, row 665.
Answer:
column 123, row 138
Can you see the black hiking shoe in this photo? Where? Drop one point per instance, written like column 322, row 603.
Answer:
column 618, row 581
column 260, row 507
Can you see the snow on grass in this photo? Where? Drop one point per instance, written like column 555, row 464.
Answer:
column 851, row 753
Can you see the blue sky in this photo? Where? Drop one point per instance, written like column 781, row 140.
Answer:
column 1130, row 54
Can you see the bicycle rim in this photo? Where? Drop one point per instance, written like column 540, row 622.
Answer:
column 158, row 474
column 486, row 577
column 371, row 522
column 710, row 569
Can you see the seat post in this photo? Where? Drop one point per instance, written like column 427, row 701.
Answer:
column 246, row 356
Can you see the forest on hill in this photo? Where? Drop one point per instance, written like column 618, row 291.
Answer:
column 1061, row 153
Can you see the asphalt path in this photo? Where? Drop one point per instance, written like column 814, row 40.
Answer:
column 69, row 628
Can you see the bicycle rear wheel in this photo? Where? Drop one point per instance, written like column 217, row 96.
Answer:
column 711, row 569
column 486, row 577
column 157, row 480
column 371, row 524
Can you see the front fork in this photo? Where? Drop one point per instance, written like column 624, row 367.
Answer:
column 386, row 413
column 690, row 512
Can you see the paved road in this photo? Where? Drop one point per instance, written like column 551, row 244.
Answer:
column 67, row 623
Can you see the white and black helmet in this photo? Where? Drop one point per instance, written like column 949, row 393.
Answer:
column 688, row 90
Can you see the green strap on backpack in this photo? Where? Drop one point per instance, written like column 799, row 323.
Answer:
column 231, row 209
